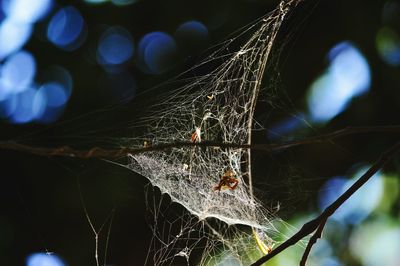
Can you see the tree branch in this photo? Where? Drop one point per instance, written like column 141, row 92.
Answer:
column 125, row 151
column 319, row 222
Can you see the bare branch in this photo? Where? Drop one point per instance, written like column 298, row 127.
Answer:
column 319, row 222
column 124, row 151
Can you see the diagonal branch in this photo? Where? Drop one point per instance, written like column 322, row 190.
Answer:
column 125, row 151
column 319, row 222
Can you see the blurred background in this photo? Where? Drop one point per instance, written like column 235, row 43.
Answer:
column 77, row 72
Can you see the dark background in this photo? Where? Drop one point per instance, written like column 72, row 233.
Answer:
column 40, row 197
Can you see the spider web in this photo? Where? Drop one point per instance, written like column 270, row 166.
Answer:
column 218, row 106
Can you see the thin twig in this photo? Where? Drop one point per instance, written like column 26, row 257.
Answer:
column 314, row 224
column 312, row 241
column 125, row 151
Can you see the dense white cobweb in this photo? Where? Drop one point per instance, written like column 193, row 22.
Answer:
column 218, row 107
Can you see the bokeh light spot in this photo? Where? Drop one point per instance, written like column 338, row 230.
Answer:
column 115, row 47
column 157, row 51
column 363, row 201
column 330, row 190
column 13, row 36
column 52, row 97
column 24, row 111
column 348, row 76
column 18, row 72
column 191, row 35
column 350, row 71
column 56, row 95
column 42, row 259
column 323, row 100
column 67, row 29
column 388, row 46
column 26, row 11
column 376, row 243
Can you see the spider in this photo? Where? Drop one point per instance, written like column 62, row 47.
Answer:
column 196, row 136
column 227, row 181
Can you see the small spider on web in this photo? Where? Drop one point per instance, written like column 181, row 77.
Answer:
column 227, row 181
